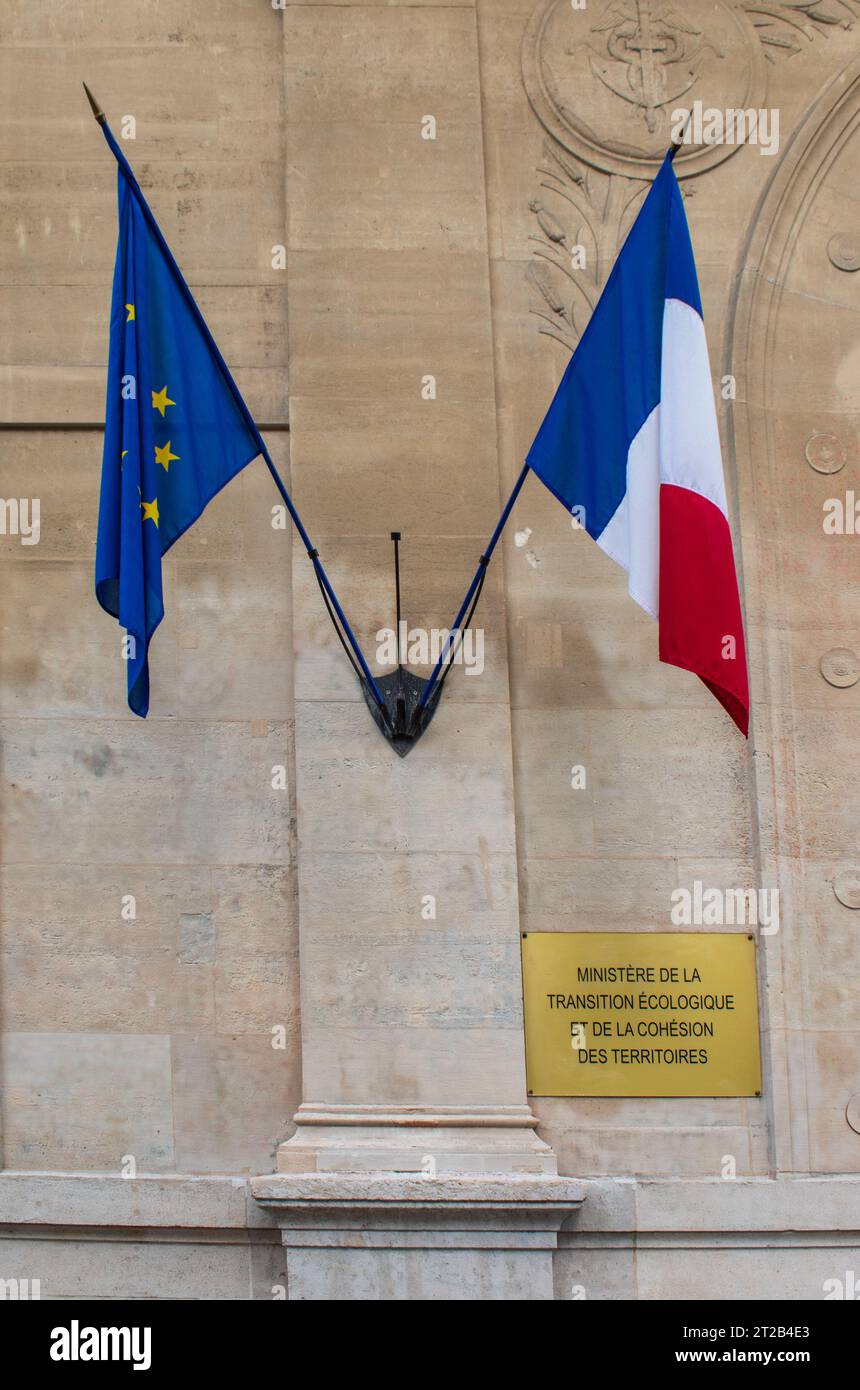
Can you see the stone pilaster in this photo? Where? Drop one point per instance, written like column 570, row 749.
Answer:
column 412, row 1044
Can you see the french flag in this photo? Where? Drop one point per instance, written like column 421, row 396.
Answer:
column 631, row 437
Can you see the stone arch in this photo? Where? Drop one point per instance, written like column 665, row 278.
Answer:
column 794, row 783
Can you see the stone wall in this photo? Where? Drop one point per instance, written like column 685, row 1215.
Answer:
column 151, row 1038
column 427, row 168
column 674, row 796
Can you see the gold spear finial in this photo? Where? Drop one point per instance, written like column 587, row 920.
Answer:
column 96, row 109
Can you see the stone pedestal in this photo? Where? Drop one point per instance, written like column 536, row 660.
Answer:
column 394, row 1236
column 412, row 1202
column 425, row 1140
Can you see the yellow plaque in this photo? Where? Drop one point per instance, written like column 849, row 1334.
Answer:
column 641, row 1014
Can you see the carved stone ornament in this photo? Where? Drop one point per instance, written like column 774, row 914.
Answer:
column 846, row 886
column 840, row 667
column 784, row 27
column 825, row 453
column 844, row 251
column 604, row 80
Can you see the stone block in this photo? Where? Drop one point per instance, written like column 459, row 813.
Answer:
column 355, row 476
column 131, row 1269
column 377, row 322
column 833, row 1062
column 106, row 791
column 355, row 795
column 414, row 1066
column 233, row 1097
column 590, row 1270
column 386, row 187
column 390, row 65
column 79, row 1101
column 474, row 893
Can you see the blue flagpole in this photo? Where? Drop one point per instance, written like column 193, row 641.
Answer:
column 479, row 573
column 313, row 553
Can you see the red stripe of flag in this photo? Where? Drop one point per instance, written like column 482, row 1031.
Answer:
column 701, row 628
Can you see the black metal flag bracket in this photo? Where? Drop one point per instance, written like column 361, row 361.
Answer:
column 402, row 704
column 411, row 702
column 404, row 718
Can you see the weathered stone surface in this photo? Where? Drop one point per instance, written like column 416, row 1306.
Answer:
column 134, row 945
column 215, row 656
column 88, row 1101
column 414, row 1066
column 357, row 478
column 202, row 217
column 233, row 1099
column 233, row 815
column 410, row 259
column 480, row 1236
column 382, row 64
column 798, row 1272
column 131, row 1269
column 473, row 892
column 60, row 373
column 403, row 190
column 44, row 1199
column 575, row 893
column 377, row 318
column 334, row 789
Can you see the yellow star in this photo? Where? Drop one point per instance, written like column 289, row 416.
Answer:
column 122, row 456
column 160, row 400
column 164, row 456
column 130, row 308
column 150, row 510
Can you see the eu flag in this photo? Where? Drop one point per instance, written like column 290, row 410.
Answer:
column 176, row 428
